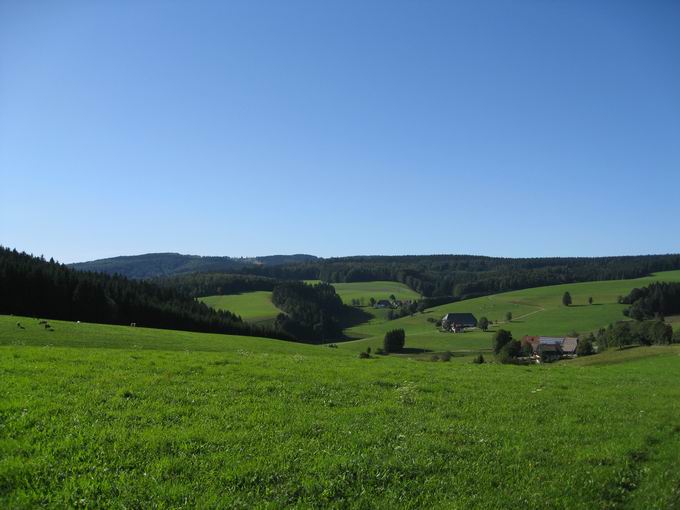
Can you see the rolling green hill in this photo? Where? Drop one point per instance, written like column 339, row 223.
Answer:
column 537, row 311
column 251, row 306
column 113, row 416
column 257, row 306
column 378, row 290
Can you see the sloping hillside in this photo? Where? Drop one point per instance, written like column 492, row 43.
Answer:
column 537, row 311
column 103, row 416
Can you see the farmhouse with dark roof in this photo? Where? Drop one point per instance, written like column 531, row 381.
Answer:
column 457, row 322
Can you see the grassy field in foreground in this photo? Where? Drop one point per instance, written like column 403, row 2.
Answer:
column 251, row 306
column 161, row 421
column 537, row 311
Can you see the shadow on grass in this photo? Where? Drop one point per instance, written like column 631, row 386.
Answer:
column 413, row 350
column 355, row 316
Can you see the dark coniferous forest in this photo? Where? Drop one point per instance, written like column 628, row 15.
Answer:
column 466, row 276
column 454, row 276
column 35, row 287
column 656, row 300
column 313, row 312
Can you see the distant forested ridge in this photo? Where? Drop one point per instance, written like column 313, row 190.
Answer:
column 35, row 287
column 466, row 276
column 458, row 276
column 153, row 265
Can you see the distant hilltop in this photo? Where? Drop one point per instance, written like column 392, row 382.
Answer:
column 152, row 265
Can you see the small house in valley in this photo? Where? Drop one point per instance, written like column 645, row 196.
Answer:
column 383, row 303
column 550, row 347
column 457, row 322
column 569, row 345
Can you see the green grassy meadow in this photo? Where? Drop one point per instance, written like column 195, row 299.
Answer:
column 118, row 417
column 376, row 289
column 257, row 306
column 537, row 311
column 251, row 306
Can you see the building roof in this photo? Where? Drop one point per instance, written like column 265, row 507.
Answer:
column 460, row 318
column 569, row 344
column 532, row 340
column 550, row 340
column 549, row 348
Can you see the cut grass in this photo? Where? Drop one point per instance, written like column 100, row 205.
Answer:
column 160, row 421
column 251, row 306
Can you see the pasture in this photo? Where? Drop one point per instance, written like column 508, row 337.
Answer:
column 376, row 289
column 251, row 306
column 537, row 311
column 113, row 416
column 257, row 306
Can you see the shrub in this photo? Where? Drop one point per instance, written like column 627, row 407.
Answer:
column 380, row 351
column 364, row 355
column 394, row 340
column 483, row 323
column 446, row 356
column 500, row 339
column 510, row 351
column 479, row 359
column 585, row 346
column 566, row 299
column 434, row 357
column 368, row 350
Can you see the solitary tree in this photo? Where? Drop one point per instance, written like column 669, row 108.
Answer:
column 394, row 340
column 508, row 316
column 566, row 299
column 372, row 301
column 393, row 297
column 590, row 300
column 483, row 323
column 501, row 338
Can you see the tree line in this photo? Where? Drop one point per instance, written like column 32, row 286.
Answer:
column 209, row 284
column 659, row 299
column 36, row 287
column 466, row 276
column 313, row 313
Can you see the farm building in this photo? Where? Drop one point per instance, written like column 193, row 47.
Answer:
column 383, row 303
column 549, row 350
column 569, row 345
column 551, row 347
column 457, row 322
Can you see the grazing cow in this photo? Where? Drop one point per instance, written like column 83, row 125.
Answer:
column 20, row 326
column 133, row 324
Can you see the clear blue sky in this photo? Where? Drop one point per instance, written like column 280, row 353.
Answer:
column 513, row 128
